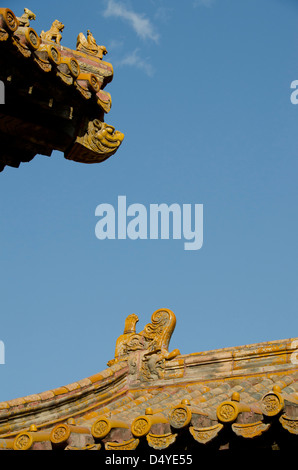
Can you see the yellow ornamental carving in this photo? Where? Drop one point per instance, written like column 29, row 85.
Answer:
column 161, row 441
column 87, row 447
column 99, row 142
column 102, row 426
column 152, row 366
column 55, row 32
column 140, row 426
column 89, row 45
column 8, row 23
column 227, row 412
column 60, row 433
column 290, row 424
column 23, row 441
column 272, row 403
column 32, row 39
column 47, row 55
column 27, row 16
column 154, row 338
column 204, row 435
column 180, row 416
column 250, row 430
column 126, row 445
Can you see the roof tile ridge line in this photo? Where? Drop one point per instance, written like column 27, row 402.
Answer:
column 76, row 53
column 66, row 417
column 58, row 45
column 189, row 381
column 237, row 349
column 107, row 373
column 9, row 422
column 69, row 397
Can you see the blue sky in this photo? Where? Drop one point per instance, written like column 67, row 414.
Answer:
column 201, row 90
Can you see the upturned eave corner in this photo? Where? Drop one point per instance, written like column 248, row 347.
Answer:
column 54, row 92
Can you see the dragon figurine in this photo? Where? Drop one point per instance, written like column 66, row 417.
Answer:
column 153, row 339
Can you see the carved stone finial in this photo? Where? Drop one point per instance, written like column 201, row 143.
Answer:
column 54, row 33
column 151, row 343
column 89, row 45
column 24, row 20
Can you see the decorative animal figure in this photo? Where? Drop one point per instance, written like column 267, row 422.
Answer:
column 24, row 20
column 153, row 339
column 54, row 33
column 89, row 45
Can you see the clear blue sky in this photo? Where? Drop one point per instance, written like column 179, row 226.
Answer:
column 201, row 90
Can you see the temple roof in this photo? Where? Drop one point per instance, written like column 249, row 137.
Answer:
column 150, row 398
column 55, row 97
